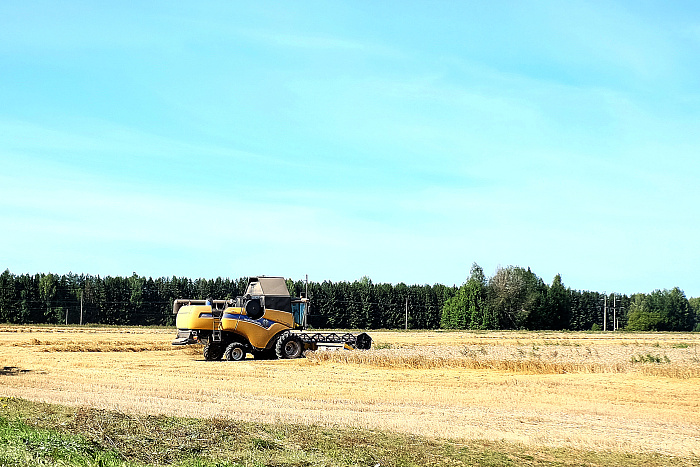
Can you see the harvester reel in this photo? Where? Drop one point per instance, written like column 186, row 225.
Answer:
column 289, row 346
column 235, row 352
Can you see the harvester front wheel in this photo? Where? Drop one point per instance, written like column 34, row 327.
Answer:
column 235, row 352
column 289, row 346
column 213, row 351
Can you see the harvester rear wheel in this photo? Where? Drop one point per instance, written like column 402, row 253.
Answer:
column 235, row 352
column 213, row 351
column 289, row 346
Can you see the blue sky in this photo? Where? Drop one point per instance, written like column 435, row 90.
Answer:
column 399, row 140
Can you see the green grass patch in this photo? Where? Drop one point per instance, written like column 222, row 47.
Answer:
column 650, row 358
column 35, row 434
column 383, row 346
column 24, row 445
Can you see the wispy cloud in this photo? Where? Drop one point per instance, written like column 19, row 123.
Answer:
column 302, row 41
column 205, row 139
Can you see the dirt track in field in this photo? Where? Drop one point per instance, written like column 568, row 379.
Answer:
column 640, row 406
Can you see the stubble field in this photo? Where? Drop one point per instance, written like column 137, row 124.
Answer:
column 594, row 391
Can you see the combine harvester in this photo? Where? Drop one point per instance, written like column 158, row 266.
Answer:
column 266, row 322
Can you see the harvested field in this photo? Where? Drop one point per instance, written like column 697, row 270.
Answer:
column 627, row 392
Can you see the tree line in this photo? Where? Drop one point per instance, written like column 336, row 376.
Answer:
column 134, row 300
column 514, row 298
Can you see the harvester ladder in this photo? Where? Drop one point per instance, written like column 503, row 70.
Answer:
column 216, row 328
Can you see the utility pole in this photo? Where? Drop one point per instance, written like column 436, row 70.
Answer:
column 81, row 307
column 306, row 312
column 406, row 326
column 605, row 314
column 614, row 312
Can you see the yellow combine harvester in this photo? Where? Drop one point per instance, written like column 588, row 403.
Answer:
column 266, row 322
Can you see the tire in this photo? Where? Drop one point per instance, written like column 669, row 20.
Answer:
column 289, row 346
column 363, row 341
column 213, row 351
column 235, row 352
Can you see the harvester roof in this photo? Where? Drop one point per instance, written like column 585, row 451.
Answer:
column 269, row 286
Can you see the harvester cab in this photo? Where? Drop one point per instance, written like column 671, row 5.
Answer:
column 266, row 322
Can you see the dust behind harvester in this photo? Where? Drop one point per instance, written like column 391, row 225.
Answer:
column 266, row 322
